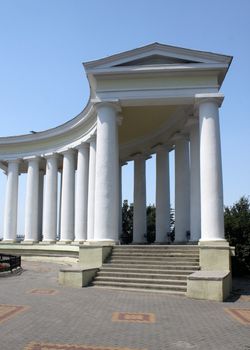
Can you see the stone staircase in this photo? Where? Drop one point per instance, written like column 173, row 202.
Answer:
column 162, row 268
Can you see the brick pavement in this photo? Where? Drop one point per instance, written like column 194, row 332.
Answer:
column 83, row 317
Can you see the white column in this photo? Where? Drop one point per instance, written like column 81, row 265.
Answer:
column 11, row 201
column 140, row 210
column 107, row 174
column 195, row 211
column 91, row 188
column 162, row 194
column 68, row 197
column 60, row 202
column 120, row 197
column 212, row 216
column 81, row 194
column 40, row 204
column 50, row 199
column 182, row 189
column 31, row 201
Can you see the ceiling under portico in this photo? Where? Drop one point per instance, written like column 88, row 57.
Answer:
column 143, row 121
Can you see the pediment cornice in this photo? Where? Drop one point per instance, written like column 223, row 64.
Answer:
column 156, row 49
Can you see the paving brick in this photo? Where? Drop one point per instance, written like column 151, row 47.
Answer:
column 84, row 316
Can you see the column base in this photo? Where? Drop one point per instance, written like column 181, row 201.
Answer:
column 160, row 242
column 213, row 242
column 103, row 242
column 214, row 280
column 64, row 241
column 46, row 242
column 29, row 241
column 9, row 241
column 215, row 255
column 140, row 243
column 76, row 242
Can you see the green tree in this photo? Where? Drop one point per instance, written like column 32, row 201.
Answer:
column 237, row 232
column 127, row 222
column 151, row 223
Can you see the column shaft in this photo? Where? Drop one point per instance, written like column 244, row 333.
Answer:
column 107, row 175
column 140, row 210
column 68, row 197
column 91, row 189
column 11, row 201
column 162, row 195
column 195, row 211
column 31, row 201
column 40, row 205
column 120, row 199
column 81, row 195
column 212, row 216
column 50, row 200
column 182, row 190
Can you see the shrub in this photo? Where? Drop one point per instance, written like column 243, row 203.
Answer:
column 237, row 232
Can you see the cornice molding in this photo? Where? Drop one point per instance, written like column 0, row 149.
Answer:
column 157, row 49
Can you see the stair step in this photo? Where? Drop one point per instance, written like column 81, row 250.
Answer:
column 158, row 252
column 154, row 266
column 155, row 249
column 157, row 246
column 141, row 280
column 151, row 290
column 153, row 262
column 148, row 276
column 139, row 285
column 157, row 255
column 162, row 268
column 153, row 257
column 113, row 269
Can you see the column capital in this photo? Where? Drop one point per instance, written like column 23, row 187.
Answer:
column 209, row 97
column 51, row 155
column 83, row 145
column 179, row 136
column 114, row 104
column 13, row 161
column 160, row 147
column 119, row 118
column 191, row 122
column 123, row 162
column 68, row 151
column 139, row 155
column 92, row 138
column 29, row 158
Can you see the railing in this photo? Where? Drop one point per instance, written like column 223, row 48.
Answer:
column 9, row 262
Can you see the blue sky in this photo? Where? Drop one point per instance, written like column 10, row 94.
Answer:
column 44, row 42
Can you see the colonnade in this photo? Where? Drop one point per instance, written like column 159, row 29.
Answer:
column 90, row 195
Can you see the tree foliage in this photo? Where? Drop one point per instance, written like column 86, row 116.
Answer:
column 237, row 232
column 127, row 223
column 150, row 235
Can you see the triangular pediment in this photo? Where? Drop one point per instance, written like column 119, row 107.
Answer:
column 157, row 54
column 155, row 60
